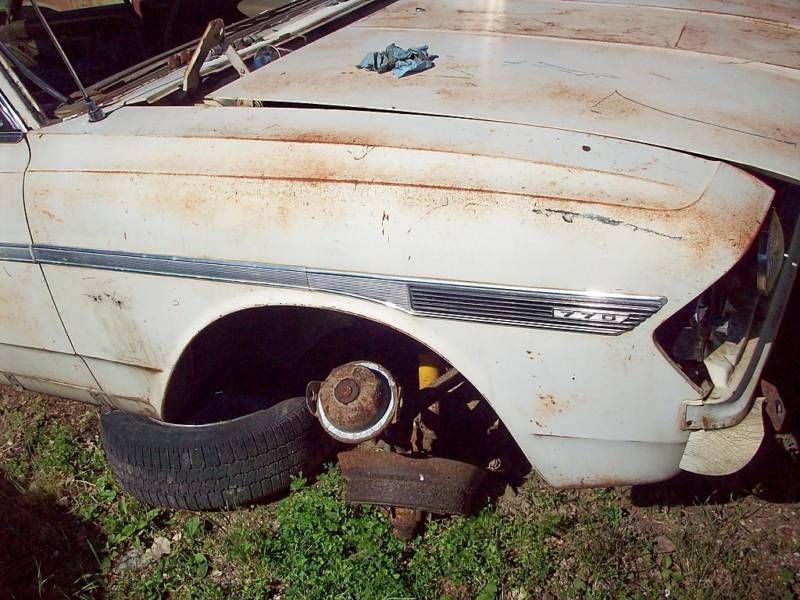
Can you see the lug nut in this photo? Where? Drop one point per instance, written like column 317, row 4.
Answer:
column 346, row 391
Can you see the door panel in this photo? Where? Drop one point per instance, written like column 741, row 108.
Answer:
column 27, row 315
column 45, row 365
column 13, row 160
column 34, row 348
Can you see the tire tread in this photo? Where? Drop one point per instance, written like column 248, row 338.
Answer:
column 215, row 466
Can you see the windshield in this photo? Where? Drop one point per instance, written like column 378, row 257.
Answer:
column 103, row 37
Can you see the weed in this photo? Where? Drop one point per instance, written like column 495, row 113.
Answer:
column 72, row 532
column 323, row 548
column 459, row 556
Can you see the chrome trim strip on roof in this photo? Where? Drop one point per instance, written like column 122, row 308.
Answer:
column 16, row 252
column 565, row 310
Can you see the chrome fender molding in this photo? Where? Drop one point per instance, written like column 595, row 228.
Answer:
column 567, row 310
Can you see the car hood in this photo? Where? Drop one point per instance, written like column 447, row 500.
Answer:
column 717, row 79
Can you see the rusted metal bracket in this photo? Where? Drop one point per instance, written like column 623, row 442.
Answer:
column 773, row 405
column 446, row 380
column 435, row 485
column 405, row 521
column 212, row 36
column 235, row 59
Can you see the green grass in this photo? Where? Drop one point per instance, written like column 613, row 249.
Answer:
column 70, row 531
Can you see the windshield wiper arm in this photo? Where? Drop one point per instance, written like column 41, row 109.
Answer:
column 95, row 112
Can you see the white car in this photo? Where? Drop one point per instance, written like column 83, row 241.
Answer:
column 586, row 210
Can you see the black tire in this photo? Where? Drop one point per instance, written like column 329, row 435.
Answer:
column 221, row 465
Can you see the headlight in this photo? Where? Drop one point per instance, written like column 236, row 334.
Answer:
column 705, row 338
column 770, row 254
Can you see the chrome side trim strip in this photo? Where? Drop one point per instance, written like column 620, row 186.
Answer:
column 547, row 309
column 393, row 292
column 153, row 264
column 597, row 313
column 16, row 252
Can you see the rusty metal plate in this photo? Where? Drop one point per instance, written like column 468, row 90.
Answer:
column 435, row 485
column 773, row 405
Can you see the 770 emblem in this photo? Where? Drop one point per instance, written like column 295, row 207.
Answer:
column 583, row 315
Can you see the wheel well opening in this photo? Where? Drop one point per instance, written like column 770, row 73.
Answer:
column 251, row 359
column 267, row 354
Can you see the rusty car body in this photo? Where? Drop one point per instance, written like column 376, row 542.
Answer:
column 548, row 209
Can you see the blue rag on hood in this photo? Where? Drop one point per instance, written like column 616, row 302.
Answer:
column 398, row 60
